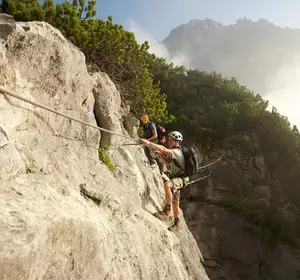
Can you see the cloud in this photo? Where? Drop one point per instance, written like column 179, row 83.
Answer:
column 155, row 47
column 279, row 82
column 284, row 91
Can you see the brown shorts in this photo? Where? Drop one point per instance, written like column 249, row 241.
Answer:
column 177, row 185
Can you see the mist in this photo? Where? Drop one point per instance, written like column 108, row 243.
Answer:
column 262, row 56
column 279, row 82
column 155, row 47
column 283, row 92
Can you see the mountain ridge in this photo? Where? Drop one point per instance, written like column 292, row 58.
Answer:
column 261, row 55
column 218, row 24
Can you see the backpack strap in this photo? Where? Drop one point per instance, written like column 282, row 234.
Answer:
column 177, row 163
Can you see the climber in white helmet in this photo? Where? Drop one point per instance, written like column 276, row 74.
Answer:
column 173, row 176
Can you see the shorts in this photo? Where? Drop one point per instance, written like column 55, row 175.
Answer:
column 177, row 185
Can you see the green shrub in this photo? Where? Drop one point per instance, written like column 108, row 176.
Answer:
column 105, row 158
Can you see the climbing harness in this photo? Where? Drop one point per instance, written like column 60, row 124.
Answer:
column 6, row 92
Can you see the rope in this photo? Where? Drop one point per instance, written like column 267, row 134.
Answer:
column 203, row 167
column 6, row 92
column 210, row 164
column 199, row 179
column 283, row 193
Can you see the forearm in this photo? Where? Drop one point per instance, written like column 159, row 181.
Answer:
column 154, row 136
column 158, row 148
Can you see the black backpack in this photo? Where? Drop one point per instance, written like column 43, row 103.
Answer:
column 191, row 163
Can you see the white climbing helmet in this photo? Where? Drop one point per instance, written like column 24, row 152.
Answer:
column 176, row 135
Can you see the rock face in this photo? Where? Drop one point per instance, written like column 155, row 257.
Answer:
column 7, row 25
column 231, row 248
column 107, row 108
column 64, row 215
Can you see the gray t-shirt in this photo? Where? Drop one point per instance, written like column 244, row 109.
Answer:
column 173, row 168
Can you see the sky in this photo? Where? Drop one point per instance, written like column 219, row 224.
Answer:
column 152, row 20
column 158, row 17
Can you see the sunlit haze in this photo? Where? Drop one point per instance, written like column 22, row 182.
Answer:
column 153, row 20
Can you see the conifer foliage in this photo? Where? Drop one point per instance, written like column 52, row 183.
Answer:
column 107, row 47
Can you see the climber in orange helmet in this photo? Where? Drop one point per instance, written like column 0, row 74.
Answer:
column 151, row 134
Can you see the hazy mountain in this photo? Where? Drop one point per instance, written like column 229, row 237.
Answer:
column 262, row 56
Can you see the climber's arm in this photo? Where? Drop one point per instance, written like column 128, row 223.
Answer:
column 156, row 147
column 154, row 132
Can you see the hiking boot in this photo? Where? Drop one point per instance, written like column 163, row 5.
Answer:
column 162, row 215
column 175, row 226
column 165, row 214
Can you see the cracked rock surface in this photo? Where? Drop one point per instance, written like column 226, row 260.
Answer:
column 63, row 213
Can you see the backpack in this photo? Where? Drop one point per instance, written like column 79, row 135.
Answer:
column 191, row 162
column 160, row 133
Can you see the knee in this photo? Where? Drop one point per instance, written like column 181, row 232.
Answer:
column 167, row 184
column 175, row 202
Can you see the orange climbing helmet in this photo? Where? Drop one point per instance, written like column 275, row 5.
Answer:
column 144, row 118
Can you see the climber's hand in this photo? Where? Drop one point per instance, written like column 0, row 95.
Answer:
column 145, row 141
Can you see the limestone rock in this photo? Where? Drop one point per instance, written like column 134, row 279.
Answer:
column 7, row 25
column 3, row 136
column 11, row 162
column 64, row 215
column 107, row 108
column 132, row 125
